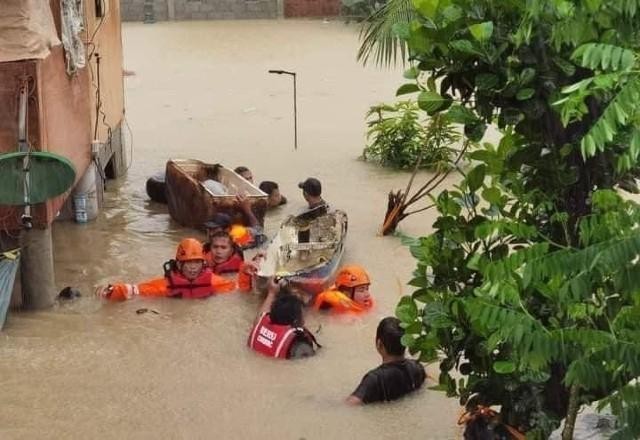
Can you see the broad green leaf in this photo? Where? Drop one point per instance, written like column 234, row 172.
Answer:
column 452, row 13
column 407, row 88
column 527, row 75
column 407, row 311
column 482, row 31
column 464, row 46
column 428, row 8
column 492, row 195
column 475, row 131
column 431, row 101
column 524, row 94
column 486, row 81
column 407, row 340
column 567, row 68
column 411, row 73
column 482, row 156
column 504, row 367
column 461, row 115
column 476, row 177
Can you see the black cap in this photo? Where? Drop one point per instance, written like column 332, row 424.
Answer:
column 311, row 186
column 220, row 220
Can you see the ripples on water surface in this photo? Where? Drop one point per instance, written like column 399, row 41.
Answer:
column 87, row 370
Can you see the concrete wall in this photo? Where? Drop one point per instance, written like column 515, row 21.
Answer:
column 134, row 10
column 312, row 8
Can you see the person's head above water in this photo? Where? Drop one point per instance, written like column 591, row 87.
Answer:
column 220, row 222
column 190, row 258
column 273, row 191
column 312, row 192
column 311, row 187
column 286, row 309
column 388, row 338
column 354, row 281
column 222, row 247
column 245, row 173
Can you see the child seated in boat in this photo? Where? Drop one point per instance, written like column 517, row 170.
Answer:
column 185, row 277
column 244, row 237
column 221, row 254
column 278, row 330
column 350, row 293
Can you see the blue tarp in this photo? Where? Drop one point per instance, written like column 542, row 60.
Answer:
column 8, row 268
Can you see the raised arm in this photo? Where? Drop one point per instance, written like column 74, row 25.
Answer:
column 123, row 291
column 272, row 291
column 245, row 205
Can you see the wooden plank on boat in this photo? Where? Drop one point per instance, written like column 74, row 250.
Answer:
column 192, row 204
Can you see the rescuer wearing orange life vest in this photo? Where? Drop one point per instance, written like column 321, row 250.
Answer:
column 185, row 277
column 350, row 293
column 222, row 255
column 279, row 330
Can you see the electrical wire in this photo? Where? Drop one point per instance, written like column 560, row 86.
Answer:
column 95, row 31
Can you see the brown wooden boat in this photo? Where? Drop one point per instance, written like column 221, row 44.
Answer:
column 192, row 204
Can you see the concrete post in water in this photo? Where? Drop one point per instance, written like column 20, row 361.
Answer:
column 280, row 7
column 171, row 10
column 37, row 278
column 148, row 12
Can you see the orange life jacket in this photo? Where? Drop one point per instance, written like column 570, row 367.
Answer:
column 180, row 287
column 233, row 264
column 275, row 340
column 338, row 302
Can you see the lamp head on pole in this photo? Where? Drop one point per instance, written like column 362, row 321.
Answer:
column 280, row 72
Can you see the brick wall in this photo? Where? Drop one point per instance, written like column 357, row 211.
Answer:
column 134, row 10
column 312, row 8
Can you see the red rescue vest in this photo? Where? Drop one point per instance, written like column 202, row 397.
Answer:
column 181, row 287
column 231, row 265
column 275, row 340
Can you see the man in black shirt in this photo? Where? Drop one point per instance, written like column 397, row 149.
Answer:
column 396, row 376
column 312, row 193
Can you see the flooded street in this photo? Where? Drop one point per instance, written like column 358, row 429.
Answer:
column 201, row 90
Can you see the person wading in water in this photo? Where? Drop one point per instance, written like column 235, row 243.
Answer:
column 185, row 277
column 397, row 376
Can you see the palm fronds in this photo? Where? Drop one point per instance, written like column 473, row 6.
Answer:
column 380, row 43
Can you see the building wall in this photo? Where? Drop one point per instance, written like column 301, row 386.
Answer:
column 62, row 108
column 107, row 48
column 161, row 10
column 312, row 8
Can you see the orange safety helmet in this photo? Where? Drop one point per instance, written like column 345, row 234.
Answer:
column 352, row 276
column 189, row 249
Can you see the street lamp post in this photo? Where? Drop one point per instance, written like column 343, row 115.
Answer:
column 295, row 104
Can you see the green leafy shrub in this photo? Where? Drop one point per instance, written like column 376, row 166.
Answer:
column 528, row 289
column 400, row 137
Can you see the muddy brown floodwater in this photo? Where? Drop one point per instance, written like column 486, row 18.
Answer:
column 92, row 370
